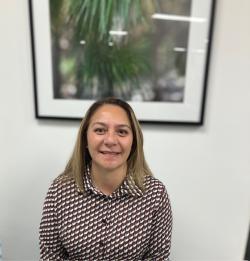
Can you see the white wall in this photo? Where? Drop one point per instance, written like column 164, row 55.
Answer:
column 206, row 169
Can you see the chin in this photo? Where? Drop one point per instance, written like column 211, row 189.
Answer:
column 111, row 166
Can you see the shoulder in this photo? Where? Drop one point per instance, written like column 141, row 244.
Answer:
column 62, row 185
column 154, row 185
column 155, row 190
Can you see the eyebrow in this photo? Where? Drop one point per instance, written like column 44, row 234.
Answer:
column 105, row 125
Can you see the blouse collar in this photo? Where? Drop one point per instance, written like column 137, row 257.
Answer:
column 128, row 187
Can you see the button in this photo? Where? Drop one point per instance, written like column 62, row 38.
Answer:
column 104, row 221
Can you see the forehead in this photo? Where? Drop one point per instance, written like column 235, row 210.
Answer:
column 110, row 113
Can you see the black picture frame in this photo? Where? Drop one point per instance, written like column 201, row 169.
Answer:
column 247, row 253
column 191, row 112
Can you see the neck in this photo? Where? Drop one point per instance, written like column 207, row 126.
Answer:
column 107, row 181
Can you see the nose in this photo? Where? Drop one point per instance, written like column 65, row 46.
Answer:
column 110, row 138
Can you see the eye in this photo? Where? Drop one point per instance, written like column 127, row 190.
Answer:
column 99, row 131
column 122, row 132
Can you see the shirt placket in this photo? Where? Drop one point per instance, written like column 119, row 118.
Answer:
column 105, row 222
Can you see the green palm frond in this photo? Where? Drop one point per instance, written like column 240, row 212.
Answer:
column 116, row 63
column 97, row 15
column 91, row 20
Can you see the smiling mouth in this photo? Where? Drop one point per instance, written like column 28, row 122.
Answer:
column 109, row 152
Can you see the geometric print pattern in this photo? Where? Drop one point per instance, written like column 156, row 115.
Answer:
column 127, row 225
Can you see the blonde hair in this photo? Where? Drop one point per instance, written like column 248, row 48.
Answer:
column 137, row 165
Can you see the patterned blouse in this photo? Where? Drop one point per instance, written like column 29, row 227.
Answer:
column 127, row 225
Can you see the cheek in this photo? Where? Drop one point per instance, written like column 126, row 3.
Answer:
column 94, row 143
column 91, row 139
column 87, row 138
column 90, row 143
column 129, row 145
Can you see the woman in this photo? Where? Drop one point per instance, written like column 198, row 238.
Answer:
column 107, row 205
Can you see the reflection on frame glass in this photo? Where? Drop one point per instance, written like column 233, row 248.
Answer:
column 152, row 53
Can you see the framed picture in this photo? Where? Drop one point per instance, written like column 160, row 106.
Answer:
column 152, row 53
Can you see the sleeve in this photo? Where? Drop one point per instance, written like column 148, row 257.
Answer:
column 160, row 240
column 50, row 245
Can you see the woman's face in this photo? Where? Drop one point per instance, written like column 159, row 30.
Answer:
column 109, row 138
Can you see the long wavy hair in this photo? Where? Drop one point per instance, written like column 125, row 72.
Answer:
column 137, row 165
